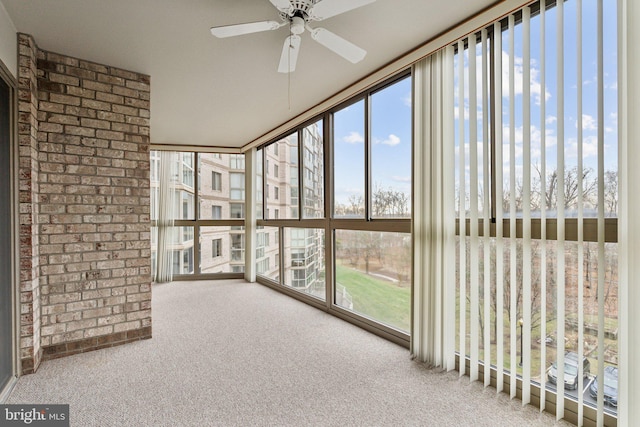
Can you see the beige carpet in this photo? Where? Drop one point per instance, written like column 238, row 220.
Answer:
column 234, row 353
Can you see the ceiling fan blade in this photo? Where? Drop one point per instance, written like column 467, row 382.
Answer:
column 289, row 55
column 342, row 47
column 248, row 28
column 282, row 5
column 328, row 8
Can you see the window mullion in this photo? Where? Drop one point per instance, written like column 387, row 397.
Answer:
column 329, row 202
column 300, row 172
column 368, row 191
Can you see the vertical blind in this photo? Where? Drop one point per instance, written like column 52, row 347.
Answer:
column 535, row 102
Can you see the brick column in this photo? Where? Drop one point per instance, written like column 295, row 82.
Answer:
column 30, row 349
column 85, row 205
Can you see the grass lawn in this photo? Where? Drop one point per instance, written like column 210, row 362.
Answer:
column 378, row 299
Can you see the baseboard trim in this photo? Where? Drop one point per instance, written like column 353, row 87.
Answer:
column 31, row 364
column 57, row 351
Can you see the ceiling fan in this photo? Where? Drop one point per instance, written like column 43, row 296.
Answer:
column 297, row 14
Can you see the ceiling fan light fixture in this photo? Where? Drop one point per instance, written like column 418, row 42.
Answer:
column 297, row 25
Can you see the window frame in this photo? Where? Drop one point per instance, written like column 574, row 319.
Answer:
column 328, row 222
column 197, row 223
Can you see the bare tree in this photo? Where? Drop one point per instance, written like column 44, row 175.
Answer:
column 611, row 193
column 389, row 202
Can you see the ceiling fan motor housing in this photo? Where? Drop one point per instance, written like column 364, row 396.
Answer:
column 303, row 6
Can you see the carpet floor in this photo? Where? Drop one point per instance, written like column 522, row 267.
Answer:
column 234, row 353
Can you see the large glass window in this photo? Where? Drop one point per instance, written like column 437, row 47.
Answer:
column 348, row 161
column 391, row 151
column 221, row 249
column 313, row 164
column 536, row 287
column 373, row 275
column 198, row 246
column 259, row 185
column 268, row 253
column 304, row 264
column 223, row 196
column 182, row 248
column 370, row 220
column 286, row 158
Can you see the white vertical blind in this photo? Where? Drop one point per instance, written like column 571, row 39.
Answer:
column 513, row 257
column 580, row 146
column 166, row 216
column 543, row 208
column 462, row 259
column 448, row 201
column 473, row 209
column 525, row 338
column 434, row 227
column 499, row 268
column 526, row 145
column 560, row 246
column 486, row 210
column 601, row 247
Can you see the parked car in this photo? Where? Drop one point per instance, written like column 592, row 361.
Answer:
column 570, row 370
column 610, row 386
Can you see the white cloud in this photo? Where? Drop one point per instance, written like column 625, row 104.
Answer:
column 406, row 100
column 392, row 140
column 589, row 147
column 401, row 178
column 506, row 142
column 550, row 140
column 350, row 190
column 588, row 122
column 551, row 120
column 353, row 138
column 611, row 85
column 535, row 86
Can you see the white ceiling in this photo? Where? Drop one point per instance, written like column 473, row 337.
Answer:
column 227, row 92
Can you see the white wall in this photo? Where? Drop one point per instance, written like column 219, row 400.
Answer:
column 8, row 42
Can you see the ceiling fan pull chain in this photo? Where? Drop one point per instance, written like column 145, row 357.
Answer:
column 289, row 68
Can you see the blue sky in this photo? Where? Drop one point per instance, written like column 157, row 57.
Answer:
column 391, row 108
column 391, row 143
column 569, row 117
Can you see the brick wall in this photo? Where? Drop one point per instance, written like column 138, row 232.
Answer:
column 92, row 222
